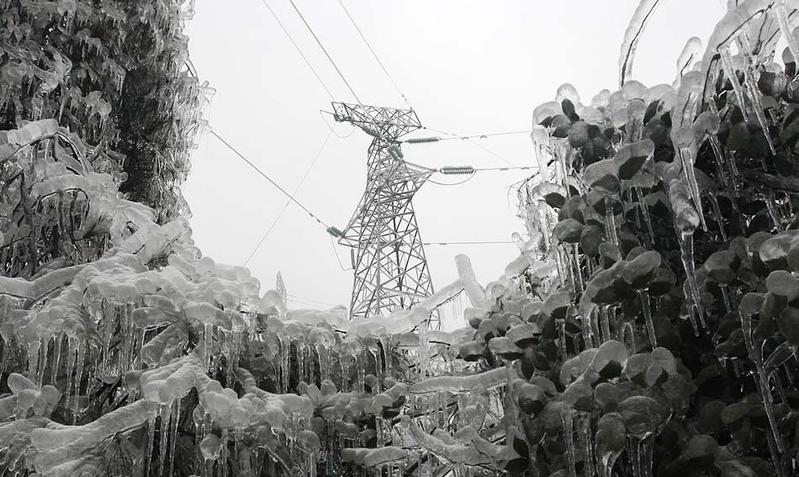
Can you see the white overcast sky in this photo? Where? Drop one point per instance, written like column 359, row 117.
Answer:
column 467, row 66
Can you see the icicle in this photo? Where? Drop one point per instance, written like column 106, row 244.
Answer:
column 361, row 373
column 223, row 454
column 423, row 352
column 56, row 359
column 543, row 223
column 385, row 342
column 714, row 203
column 301, row 360
column 173, row 435
column 577, row 271
column 142, row 340
column 562, row 339
column 610, row 222
column 751, row 77
column 285, row 347
column 148, row 452
column 773, row 212
column 567, row 419
column 640, row 453
column 629, row 330
column 33, row 360
column 587, row 441
column 540, row 139
column 71, row 358
column 639, row 195
column 762, row 379
column 604, row 319
column 689, row 307
column 721, row 162
column 78, row 377
column 687, row 256
column 163, row 438
column 564, row 270
column 728, row 65
column 587, row 328
column 725, row 296
column 775, row 456
column 198, row 417
column 324, row 362
column 345, row 371
column 207, row 344
column 647, row 310
column 376, row 354
column 562, row 153
column 686, row 155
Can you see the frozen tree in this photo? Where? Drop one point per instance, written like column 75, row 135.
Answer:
column 648, row 326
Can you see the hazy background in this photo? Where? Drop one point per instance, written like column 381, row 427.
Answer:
column 467, row 67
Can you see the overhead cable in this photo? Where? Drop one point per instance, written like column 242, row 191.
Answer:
column 374, row 54
column 475, row 242
column 286, row 205
column 297, row 47
column 470, row 139
column 452, row 136
column 324, row 50
column 265, row 176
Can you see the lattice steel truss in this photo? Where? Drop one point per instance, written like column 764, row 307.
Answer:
column 390, row 267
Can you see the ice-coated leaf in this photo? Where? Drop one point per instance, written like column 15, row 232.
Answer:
column 782, row 285
column 504, row 348
column 641, row 415
column 719, row 267
column 456, row 384
column 532, row 398
column 609, row 359
column 568, row 231
column 523, row 335
column 603, row 176
column 57, row 443
column 630, row 158
column 557, row 305
column 371, row 458
column 788, row 322
column 609, row 440
column 590, row 239
column 642, row 270
column 576, row 366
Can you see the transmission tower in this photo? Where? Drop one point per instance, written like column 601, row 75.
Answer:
column 389, row 263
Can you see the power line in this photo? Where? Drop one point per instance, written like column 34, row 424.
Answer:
column 511, row 168
column 285, row 206
column 470, row 139
column 456, row 136
column 476, row 242
column 453, row 183
column 297, row 47
column 319, row 42
column 263, row 174
column 330, row 126
column 335, row 252
column 374, row 54
column 472, row 172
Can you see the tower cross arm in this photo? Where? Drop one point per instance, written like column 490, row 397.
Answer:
column 384, row 123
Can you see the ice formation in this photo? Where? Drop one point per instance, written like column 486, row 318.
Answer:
column 647, row 327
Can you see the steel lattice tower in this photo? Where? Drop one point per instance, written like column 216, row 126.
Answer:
column 390, row 267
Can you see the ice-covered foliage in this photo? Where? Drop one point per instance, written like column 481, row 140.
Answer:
column 648, row 326
column 114, row 73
